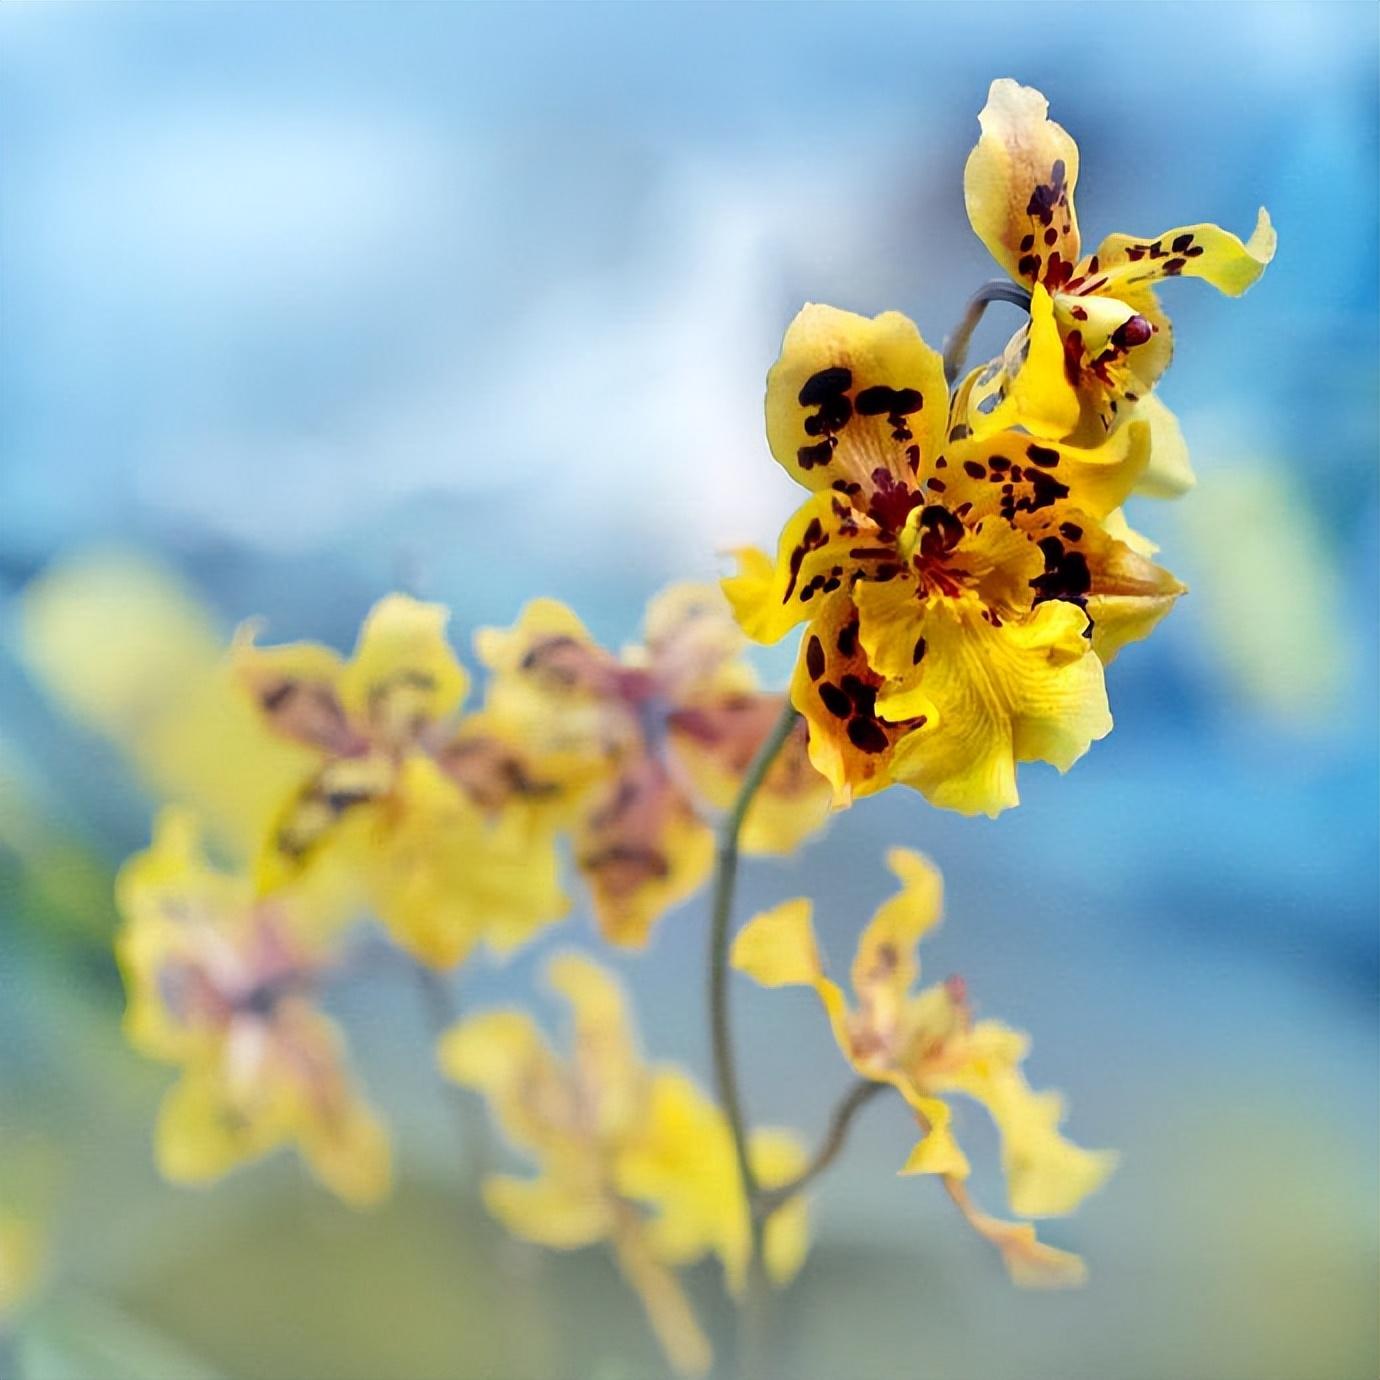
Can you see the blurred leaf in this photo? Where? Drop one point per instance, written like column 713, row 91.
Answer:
column 49, row 880
column 1270, row 592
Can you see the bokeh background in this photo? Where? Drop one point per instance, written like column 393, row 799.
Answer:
column 303, row 302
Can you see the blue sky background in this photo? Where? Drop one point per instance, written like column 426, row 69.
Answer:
column 304, row 301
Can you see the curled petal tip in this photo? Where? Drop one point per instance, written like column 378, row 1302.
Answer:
column 1263, row 240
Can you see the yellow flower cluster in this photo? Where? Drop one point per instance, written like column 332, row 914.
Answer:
column 963, row 564
column 965, row 573
column 220, row 983
column 451, row 822
column 926, row 1045
column 449, row 827
column 633, row 1156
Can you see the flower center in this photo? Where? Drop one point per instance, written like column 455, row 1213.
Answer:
column 927, row 542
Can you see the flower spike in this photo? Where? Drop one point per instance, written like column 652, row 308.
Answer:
column 653, row 742
column 442, row 823
column 927, row 1046
column 961, row 593
column 633, row 1156
column 1098, row 341
column 219, row 983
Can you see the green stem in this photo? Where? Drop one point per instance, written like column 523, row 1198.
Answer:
column 956, row 346
column 720, row 1025
column 771, row 1199
column 442, row 1012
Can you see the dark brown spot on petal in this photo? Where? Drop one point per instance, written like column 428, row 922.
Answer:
column 867, row 735
column 807, row 457
column 881, row 400
column 835, row 701
column 826, row 384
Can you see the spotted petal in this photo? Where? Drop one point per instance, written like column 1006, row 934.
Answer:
column 403, row 675
column 642, row 849
column 1018, row 185
column 814, row 557
column 1026, row 476
column 835, row 689
column 1124, row 592
column 854, row 401
column 1189, row 251
column 296, row 687
column 553, row 682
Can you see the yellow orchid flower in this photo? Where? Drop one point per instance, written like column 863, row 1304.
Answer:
column 962, row 592
column 131, row 652
column 655, row 738
column 441, row 820
column 219, row 983
column 1097, row 340
column 927, row 1046
column 629, row 1155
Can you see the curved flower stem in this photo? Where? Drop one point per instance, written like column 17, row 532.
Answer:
column 725, row 879
column 769, row 1200
column 956, row 346
column 442, row 1012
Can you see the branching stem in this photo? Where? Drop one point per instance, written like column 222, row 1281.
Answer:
column 762, row 1203
column 442, row 1012
column 956, row 346
column 769, row 1200
column 720, row 1024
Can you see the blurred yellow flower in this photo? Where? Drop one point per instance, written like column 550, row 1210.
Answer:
column 1097, row 340
column 653, row 738
column 124, row 647
column 926, row 1045
column 219, row 983
column 1252, row 518
column 631, row 1155
column 439, row 818
column 962, row 593
column 22, row 1260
